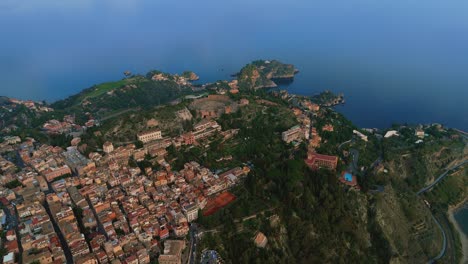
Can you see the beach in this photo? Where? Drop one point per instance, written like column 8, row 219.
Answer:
column 463, row 238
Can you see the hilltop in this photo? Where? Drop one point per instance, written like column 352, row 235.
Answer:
column 153, row 89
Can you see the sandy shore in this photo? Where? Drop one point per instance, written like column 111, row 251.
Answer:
column 463, row 238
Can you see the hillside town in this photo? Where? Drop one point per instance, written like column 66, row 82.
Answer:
column 95, row 196
column 98, row 209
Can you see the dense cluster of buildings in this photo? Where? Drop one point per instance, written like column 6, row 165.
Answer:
column 180, row 80
column 155, row 143
column 104, row 210
column 31, row 105
column 306, row 131
column 67, row 126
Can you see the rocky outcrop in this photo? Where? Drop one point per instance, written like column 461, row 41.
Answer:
column 263, row 73
column 190, row 75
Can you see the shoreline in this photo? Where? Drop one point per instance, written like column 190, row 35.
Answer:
column 463, row 238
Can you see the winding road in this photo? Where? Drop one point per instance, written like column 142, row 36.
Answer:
column 444, row 243
column 429, row 187
column 342, row 144
column 441, row 177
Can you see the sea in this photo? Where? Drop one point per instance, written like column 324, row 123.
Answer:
column 461, row 216
column 396, row 61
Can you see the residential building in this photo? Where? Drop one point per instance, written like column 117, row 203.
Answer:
column 77, row 162
column 108, row 147
column 172, row 252
column 188, row 138
column 191, row 212
column 316, row 161
column 9, row 258
column 204, row 124
column 54, row 172
column 419, row 133
column 152, row 123
column 12, row 139
column 243, row 102
column 328, row 128
column 149, row 135
column 294, row 133
column 43, row 257
column 260, row 240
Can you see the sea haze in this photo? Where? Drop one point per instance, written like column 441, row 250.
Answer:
column 395, row 61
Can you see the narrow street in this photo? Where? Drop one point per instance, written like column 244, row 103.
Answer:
column 66, row 249
column 12, row 223
column 193, row 244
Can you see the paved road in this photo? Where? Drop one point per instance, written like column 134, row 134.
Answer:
column 442, row 176
column 346, row 142
column 12, row 223
column 427, row 188
column 119, row 113
column 444, row 243
column 376, row 162
column 63, row 242
column 353, row 166
column 193, row 243
column 449, row 256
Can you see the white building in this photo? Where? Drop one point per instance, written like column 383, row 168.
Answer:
column 149, row 136
column 12, row 139
column 419, row 133
column 361, row 135
column 9, row 258
column 294, row 133
column 391, row 133
column 191, row 212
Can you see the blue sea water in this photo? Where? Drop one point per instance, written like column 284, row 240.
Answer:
column 395, row 60
column 461, row 216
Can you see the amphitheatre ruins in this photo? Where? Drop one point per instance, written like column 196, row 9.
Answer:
column 213, row 106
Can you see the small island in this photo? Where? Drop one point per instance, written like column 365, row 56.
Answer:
column 328, row 98
column 263, row 74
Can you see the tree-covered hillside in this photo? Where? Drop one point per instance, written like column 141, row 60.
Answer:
column 261, row 74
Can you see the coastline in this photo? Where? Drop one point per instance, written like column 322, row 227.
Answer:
column 463, row 238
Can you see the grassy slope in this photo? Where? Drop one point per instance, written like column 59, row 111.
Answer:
column 104, row 88
column 407, row 225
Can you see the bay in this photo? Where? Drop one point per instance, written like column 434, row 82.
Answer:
column 395, row 61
